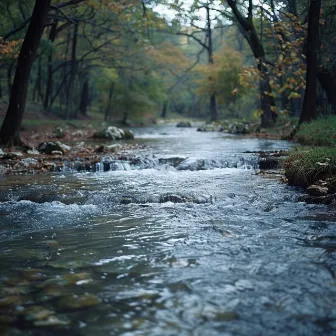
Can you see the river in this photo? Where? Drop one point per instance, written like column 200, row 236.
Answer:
column 238, row 256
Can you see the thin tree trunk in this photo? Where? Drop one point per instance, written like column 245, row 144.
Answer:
column 69, row 95
column 10, row 129
column 164, row 109
column 109, row 103
column 213, row 103
column 48, row 91
column 309, row 111
column 84, row 102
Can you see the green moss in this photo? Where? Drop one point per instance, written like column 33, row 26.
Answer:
column 305, row 166
column 321, row 132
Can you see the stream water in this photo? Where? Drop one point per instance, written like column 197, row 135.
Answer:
column 202, row 247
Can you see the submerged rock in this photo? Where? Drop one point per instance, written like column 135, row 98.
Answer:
column 78, row 301
column 191, row 164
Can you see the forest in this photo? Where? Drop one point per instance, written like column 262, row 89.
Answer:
column 167, row 167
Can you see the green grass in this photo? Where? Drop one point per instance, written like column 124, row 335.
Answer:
column 321, row 132
column 305, row 166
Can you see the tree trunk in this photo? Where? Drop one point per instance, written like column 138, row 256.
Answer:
column 69, row 98
column 9, row 78
column 213, row 103
column 48, row 91
column 309, row 111
column 328, row 84
column 247, row 29
column 9, row 133
column 109, row 103
column 164, row 109
column 84, row 102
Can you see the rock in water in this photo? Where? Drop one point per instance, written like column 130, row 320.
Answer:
column 184, row 124
column 316, row 190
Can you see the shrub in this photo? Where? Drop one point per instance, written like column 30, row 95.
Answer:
column 320, row 132
column 305, row 166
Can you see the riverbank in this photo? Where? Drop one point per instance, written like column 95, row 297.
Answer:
column 313, row 166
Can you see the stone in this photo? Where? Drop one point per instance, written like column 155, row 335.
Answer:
column 113, row 148
column 33, row 152
column 238, row 128
column 16, row 154
column 184, row 124
column 57, row 152
column 214, row 127
column 66, row 148
column 191, row 164
column 49, row 147
column 58, row 133
column 78, row 134
column 78, row 301
column 114, row 133
column 316, row 190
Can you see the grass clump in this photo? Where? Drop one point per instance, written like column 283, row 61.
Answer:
column 320, row 132
column 305, row 166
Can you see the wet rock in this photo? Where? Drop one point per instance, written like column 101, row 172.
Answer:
column 184, row 124
column 191, row 164
column 128, row 199
column 10, row 301
column 269, row 162
column 175, row 198
column 35, row 313
column 172, row 161
column 114, row 133
column 317, row 190
column 49, row 147
column 78, row 301
column 52, row 321
column 327, row 200
column 214, row 127
column 66, row 280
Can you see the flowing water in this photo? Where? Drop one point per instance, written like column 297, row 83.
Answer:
column 203, row 246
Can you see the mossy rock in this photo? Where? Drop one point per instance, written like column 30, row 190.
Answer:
column 184, row 124
column 114, row 133
column 49, row 147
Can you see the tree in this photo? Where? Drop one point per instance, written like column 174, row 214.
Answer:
column 248, row 30
column 9, row 133
column 313, row 44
